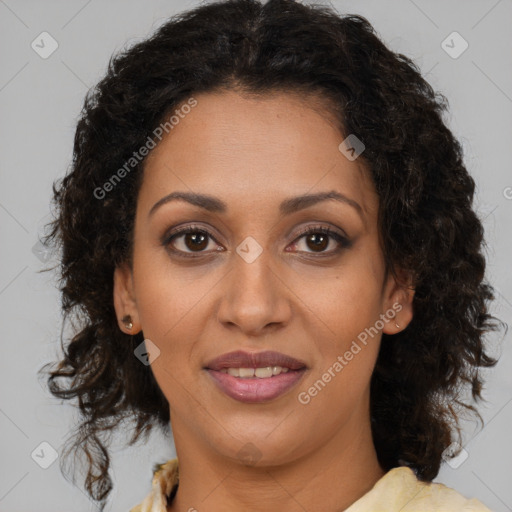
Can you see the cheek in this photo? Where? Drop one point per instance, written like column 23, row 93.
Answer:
column 173, row 309
column 342, row 317
column 344, row 302
column 169, row 298
column 346, row 350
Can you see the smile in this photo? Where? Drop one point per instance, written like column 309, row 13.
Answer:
column 255, row 377
column 260, row 373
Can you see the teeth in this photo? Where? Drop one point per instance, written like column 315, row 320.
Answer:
column 246, row 373
column 263, row 373
column 260, row 373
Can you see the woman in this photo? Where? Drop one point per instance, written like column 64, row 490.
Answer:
column 268, row 237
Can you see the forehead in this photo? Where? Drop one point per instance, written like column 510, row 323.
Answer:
column 251, row 150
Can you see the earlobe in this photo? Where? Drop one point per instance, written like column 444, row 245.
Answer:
column 399, row 303
column 124, row 300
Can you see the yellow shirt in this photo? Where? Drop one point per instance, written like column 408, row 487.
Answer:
column 397, row 491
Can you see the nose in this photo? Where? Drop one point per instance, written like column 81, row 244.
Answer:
column 255, row 299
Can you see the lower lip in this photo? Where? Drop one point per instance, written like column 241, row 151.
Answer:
column 255, row 390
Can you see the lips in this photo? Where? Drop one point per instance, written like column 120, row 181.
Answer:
column 256, row 389
column 241, row 359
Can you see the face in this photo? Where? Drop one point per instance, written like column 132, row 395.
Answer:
column 257, row 267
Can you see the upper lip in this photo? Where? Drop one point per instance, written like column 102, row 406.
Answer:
column 241, row 359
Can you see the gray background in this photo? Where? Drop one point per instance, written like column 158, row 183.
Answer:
column 40, row 100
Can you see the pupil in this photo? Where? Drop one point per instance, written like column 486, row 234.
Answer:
column 197, row 239
column 319, row 243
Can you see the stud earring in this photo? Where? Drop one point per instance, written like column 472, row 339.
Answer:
column 127, row 321
column 397, row 326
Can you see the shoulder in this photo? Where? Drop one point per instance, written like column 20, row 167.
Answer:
column 165, row 479
column 400, row 490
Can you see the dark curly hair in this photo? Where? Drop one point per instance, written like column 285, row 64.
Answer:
column 426, row 221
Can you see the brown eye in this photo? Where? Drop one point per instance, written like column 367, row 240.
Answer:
column 318, row 239
column 188, row 240
column 195, row 241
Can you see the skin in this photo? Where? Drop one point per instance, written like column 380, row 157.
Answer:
column 252, row 153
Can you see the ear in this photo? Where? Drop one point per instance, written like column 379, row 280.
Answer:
column 398, row 297
column 124, row 299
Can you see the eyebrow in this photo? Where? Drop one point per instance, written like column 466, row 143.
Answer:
column 287, row 207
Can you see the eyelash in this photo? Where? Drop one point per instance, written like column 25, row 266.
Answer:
column 344, row 242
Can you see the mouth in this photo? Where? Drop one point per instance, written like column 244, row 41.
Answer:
column 255, row 377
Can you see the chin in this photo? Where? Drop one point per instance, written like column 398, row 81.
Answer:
column 260, row 449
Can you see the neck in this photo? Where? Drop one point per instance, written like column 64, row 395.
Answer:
column 331, row 477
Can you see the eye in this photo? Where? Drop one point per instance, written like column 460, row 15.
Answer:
column 318, row 238
column 188, row 240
